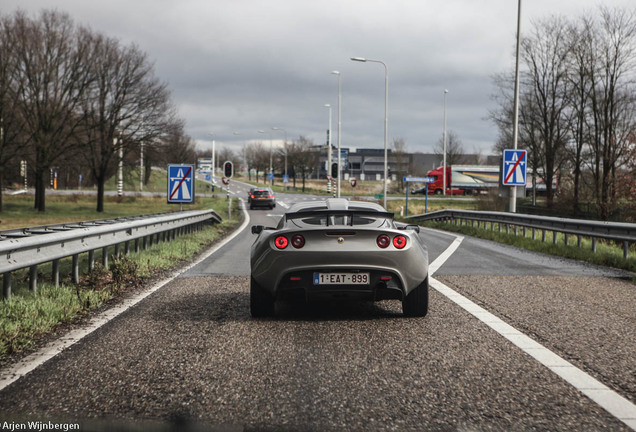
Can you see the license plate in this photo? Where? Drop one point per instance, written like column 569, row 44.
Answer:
column 341, row 278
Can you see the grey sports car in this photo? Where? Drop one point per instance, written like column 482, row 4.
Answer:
column 338, row 249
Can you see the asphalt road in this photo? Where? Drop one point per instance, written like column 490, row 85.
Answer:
column 189, row 354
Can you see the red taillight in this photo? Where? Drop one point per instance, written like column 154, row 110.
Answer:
column 252, row 196
column 383, row 241
column 399, row 241
column 298, row 241
column 270, row 196
column 281, row 242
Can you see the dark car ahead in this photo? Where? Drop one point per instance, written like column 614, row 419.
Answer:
column 261, row 197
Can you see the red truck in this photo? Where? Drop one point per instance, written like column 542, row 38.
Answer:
column 474, row 179
column 464, row 179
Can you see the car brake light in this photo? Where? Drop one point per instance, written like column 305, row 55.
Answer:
column 270, row 196
column 383, row 241
column 298, row 241
column 281, row 242
column 252, row 196
column 399, row 241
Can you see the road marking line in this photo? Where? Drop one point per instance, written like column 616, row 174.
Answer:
column 608, row 399
column 38, row 358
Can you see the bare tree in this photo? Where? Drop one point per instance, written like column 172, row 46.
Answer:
column 454, row 148
column 543, row 101
column 580, row 90
column 399, row 152
column 302, row 158
column 125, row 105
column 610, row 64
column 256, row 157
column 52, row 57
column 546, row 93
column 175, row 146
column 11, row 125
column 226, row 154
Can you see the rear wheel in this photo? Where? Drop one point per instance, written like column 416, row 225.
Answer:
column 415, row 304
column 261, row 301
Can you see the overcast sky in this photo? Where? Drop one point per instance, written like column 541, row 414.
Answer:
column 238, row 66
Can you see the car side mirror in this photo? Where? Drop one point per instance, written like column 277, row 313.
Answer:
column 257, row 229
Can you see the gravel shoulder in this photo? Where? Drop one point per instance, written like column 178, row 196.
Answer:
column 589, row 321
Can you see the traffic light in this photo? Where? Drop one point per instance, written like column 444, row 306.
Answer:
column 334, row 170
column 228, row 169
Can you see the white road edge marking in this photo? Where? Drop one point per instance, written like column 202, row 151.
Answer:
column 38, row 358
column 608, row 399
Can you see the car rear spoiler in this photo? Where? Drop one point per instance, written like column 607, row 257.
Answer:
column 323, row 212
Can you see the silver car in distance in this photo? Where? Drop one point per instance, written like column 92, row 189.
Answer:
column 338, row 249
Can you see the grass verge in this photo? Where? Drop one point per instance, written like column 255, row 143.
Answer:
column 607, row 254
column 27, row 318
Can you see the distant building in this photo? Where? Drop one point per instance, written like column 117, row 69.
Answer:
column 368, row 163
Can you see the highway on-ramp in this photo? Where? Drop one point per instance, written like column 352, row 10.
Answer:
column 514, row 340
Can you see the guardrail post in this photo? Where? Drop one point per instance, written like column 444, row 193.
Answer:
column 625, row 249
column 543, row 236
column 105, row 257
column 145, row 242
column 117, row 250
column 6, row 285
column 56, row 273
column 127, row 247
column 33, row 278
column 554, row 237
column 91, row 260
column 136, row 245
column 534, row 234
column 76, row 268
column 567, row 243
column 594, row 244
column 578, row 240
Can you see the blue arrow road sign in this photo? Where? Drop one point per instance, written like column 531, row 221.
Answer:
column 180, row 184
column 515, row 163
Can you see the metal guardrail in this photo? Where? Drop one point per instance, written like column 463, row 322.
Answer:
column 30, row 247
column 622, row 232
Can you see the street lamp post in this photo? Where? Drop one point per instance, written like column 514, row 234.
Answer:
column 444, row 171
column 339, row 126
column 386, row 116
column 213, row 158
column 515, row 123
column 329, row 149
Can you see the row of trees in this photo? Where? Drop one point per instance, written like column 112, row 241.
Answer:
column 72, row 97
column 299, row 156
column 577, row 104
